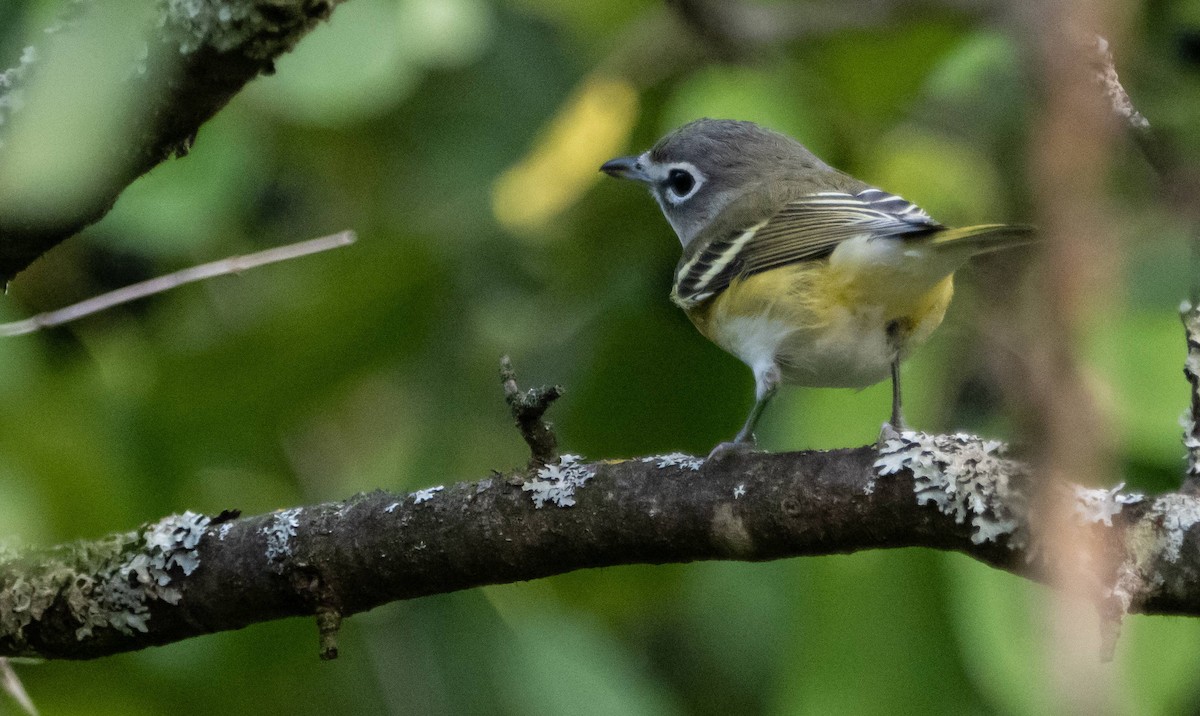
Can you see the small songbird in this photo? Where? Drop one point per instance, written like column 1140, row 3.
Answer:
column 808, row 275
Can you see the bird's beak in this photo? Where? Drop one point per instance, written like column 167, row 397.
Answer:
column 625, row 168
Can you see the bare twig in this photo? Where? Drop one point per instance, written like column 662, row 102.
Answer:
column 11, row 683
column 527, row 408
column 234, row 264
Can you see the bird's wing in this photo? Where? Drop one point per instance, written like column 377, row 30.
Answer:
column 805, row 229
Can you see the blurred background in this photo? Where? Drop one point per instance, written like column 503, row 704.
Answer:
column 461, row 140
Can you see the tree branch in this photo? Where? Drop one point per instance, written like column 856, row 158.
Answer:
column 187, row 575
column 1181, row 184
column 197, row 61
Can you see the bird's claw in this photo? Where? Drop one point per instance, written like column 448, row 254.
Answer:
column 732, row 447
column 888, row 432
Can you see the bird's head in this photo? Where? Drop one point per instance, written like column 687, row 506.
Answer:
column 697, row 170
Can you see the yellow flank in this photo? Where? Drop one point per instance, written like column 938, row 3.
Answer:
column 825, row 325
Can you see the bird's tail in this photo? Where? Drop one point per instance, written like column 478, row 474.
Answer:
column 985, row 238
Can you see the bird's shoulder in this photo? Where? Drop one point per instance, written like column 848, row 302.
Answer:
column 762, row 200
column 784, row 222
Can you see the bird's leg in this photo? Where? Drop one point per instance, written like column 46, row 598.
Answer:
column 896, row 425
column 897, row 421
column 766, row 385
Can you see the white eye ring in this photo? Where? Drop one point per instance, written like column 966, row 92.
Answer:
column 681, row 181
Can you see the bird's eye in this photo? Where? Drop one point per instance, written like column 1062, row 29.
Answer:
column 680, row 182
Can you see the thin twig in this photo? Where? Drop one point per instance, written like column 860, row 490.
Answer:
column 527, row 408
column 12, row 685
column 234, row 264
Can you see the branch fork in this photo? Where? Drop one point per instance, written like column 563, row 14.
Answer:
column 527, row 409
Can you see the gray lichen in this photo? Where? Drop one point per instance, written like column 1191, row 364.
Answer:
column 1151, row 544
column 966, row 477
column 280, row 530
column 557, row 482
column 1173, row 515
column 675, row 459
column 12, row 83
column 426, row 494
column 122, row 596
column 1106, row 77
column 970, row 478
column 260, row 30
column 1093, row 506
column 108, row 583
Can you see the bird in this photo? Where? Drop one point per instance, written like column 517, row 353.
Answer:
column 806, row 274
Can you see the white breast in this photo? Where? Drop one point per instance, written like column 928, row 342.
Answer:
column 851, row 351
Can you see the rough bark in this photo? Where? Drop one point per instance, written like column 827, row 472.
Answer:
column 188, row 575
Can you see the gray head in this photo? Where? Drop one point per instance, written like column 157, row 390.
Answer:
column 698, row 169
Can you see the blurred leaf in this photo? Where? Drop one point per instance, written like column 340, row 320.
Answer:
column 444, row 32
column 1141, row 355
column 859, row 621
column 655, row 385
column 730, row 645
column 997, row 621
column 591, row 128
column 1159, row 658
column 969, row 72
column 590, row 23
column 878, row 74
column 954, row 182
column 80, row 102
column 21, row 510
column 976, row 87
column 772, row 96
column 559, row 665
column 343, row 72
column 377, row 366
column 1001, row 625
column 184, row 207
column 348, row 70
column 825, row 418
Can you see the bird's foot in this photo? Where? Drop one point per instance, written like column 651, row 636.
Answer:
column 732, row 447
column 889, row 432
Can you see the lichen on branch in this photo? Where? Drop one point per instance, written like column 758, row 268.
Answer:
column 187, row 575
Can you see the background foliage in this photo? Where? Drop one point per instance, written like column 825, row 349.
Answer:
column 461, row 138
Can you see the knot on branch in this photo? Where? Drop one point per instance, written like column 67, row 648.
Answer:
column 329, row 623
column 326, row 605
column 527, row 408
